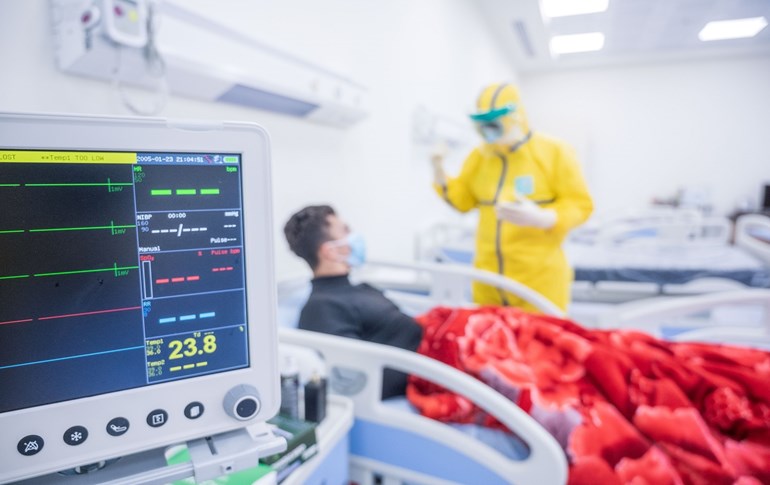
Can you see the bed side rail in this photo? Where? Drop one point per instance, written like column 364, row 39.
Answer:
column 546, row 462
column 745, row 239
column 449, row 283
column 677, row 227
column 639, row 314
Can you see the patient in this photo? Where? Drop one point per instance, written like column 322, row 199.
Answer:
column 324, row 241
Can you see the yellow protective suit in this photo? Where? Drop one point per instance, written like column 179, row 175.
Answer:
column 541, row 168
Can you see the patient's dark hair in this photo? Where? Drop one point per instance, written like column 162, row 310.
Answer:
column 307, row 230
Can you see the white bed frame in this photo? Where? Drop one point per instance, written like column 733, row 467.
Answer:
column 446, row 284
column 687, row 227
column 641, row 315
column 745, row 239
column 546, row 463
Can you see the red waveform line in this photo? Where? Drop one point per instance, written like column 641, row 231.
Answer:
column 177, row 280
column 193, row 278
column 161, row 281
column 91, row 313
column 16, row 321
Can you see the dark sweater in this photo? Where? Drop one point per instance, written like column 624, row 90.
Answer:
column 362, row 312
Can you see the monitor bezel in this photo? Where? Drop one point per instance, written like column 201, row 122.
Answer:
column 119, row 134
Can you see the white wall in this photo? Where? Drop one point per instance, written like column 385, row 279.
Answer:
column 645, row 130
column 436, row 53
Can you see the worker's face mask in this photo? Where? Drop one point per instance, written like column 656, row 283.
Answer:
column 491, row 131
column 502, row 132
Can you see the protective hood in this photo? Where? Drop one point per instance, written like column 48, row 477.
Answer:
column 497, row 101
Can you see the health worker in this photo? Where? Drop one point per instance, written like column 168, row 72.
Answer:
column 530, row 193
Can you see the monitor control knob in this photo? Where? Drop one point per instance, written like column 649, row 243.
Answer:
column 242, row 402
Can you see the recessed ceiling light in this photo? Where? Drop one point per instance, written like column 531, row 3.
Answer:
column 569, row 44
column 563, row 8
column 732, row 29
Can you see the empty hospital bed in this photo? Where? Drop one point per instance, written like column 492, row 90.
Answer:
column 631, row 258
column 684, row 257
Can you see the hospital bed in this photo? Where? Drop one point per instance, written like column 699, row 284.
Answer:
column 390, row 442
column 679, row 257
column 455, row 241
column 381, row 423
column 631, row 258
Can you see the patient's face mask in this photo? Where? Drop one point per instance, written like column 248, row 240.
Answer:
column 357, row 245
column 357, row 248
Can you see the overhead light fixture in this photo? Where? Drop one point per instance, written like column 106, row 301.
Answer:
column 564, row 8
column 732, row 29
column 570, row 44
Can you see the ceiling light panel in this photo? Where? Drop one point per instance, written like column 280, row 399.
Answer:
column 564, row 8
column 732, row 29
column 570, row 44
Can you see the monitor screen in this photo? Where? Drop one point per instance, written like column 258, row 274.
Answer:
column 119, row 270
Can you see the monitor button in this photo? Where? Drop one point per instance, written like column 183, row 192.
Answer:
column 194, row 410
column 30, row 445
column 157, row 418
column 247, row 408
column 242, row 402
column 117, row 426
column 75, row 435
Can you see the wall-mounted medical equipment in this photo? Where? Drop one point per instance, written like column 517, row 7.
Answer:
column 159, row 44
column 138, row 296
column 432, row 128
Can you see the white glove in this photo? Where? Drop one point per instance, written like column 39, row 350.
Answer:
column 524, row 212
column 439, row 152
column 437, row 156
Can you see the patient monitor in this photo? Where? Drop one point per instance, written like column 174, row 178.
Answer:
column 137, row 304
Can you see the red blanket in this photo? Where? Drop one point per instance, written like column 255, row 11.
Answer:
column 627, row 408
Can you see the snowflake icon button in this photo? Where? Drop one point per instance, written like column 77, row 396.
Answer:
column 75, row 435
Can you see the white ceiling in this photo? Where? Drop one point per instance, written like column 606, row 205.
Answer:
column 635, row 31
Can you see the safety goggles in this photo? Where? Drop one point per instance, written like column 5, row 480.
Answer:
column 493, row 114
